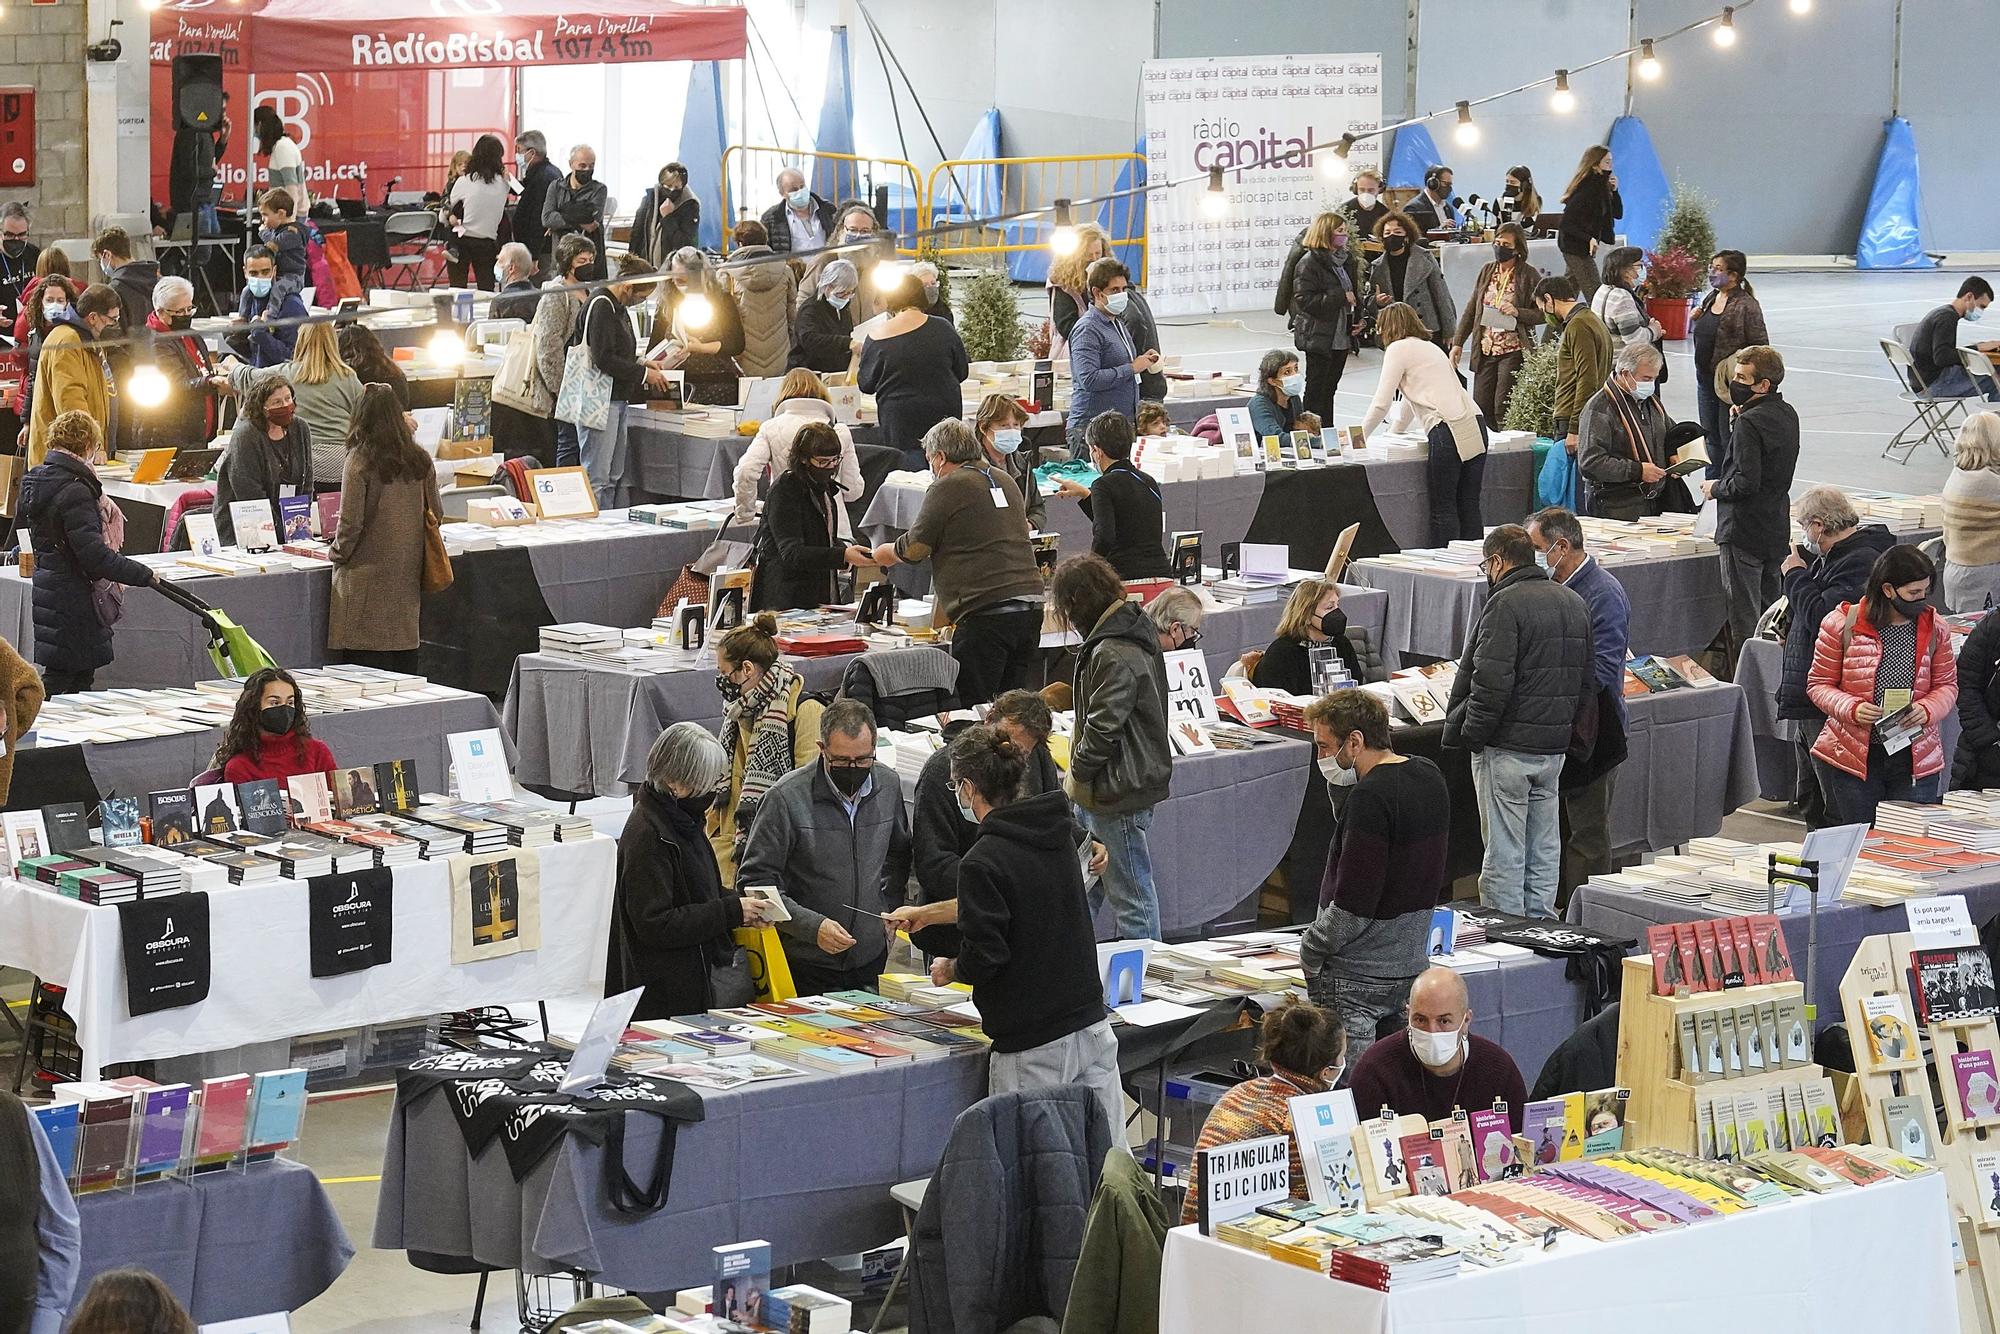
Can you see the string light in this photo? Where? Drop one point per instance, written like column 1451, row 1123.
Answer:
column 1215, row 199
column 1467, row 134
column 447, row 347
column 1725, row 31
column 147, row 387
column 1562, row 101
column 1802, row 6
column 1334, row 164
column 888, row 273
column 1649, row 64
column 1064, row 241
column 695, row 310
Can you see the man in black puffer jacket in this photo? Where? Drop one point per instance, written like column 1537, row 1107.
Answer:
column 1525, row 673
column 1847, row 551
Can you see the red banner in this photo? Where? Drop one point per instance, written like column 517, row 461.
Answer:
column 334, row 36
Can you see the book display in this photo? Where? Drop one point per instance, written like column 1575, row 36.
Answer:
column 120, row 1134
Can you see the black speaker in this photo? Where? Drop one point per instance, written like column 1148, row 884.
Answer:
column 197, row 92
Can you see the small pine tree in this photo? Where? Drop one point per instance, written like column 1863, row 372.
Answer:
column 990, row 322
column 1532, row 407
column 1688, row 226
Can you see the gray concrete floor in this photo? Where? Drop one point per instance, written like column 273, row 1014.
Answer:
column 1826, row 325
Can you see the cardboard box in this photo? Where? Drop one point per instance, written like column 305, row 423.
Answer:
column 476, row 447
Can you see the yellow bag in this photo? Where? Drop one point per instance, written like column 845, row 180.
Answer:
column 768, row 970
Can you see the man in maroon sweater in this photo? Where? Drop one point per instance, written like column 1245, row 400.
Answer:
column 1438, row 1064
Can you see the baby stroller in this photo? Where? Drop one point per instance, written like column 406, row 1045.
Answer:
column 230, row 646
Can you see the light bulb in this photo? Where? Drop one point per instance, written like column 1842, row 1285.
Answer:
column 1649, row 64
column 147, row 387
column 695, row 310
column 1802, row 6
column 1215, row 199
column 1334, row 164
column 887, row 274
column 1467, row 133
column 1562, row 101
column 1725, row 31
column 1064, row 240
column 447, row 347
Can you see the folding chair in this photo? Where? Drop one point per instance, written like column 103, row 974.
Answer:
column 1933, row 419
column 1979, row 368
column 410, row 240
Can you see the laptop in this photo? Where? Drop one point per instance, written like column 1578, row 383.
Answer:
column 191, row 465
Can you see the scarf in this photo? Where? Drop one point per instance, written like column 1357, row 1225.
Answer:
column 1630, row 410
column 763, row 711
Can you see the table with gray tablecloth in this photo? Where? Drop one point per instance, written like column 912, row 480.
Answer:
column 1759, row 669
column 1691, row 762
column 358, row 736
column 1208, row 881
column 1842, row 925
column 1461, row 264
column 1677, row 604
column 228, row 1244
column 663, row 461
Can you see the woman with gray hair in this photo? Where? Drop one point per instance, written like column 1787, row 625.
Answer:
column 705, row 341
column 1972, row 517
column 187, row 419
column 823, row 332
column 671, row 919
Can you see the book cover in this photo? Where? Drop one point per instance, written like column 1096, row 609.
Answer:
column 354, row 792
column 1892, row 1039
column 261, row 806
column 1668, row 976
column 1186, row 557
column 256, row 524
column 1655, row 674
column 1691, row 962
column 1337, row 1169
column 396, row 786
column 1977, row 1083
column 1725, row 950
column 1746, row 956
column 1799, row 1127
column 1604, row 1121
column 1714, row 1061
column 326, row 510
column 163, row 1124
column 1690, row 1049
column 225, row 1118
column 295, row 518
column 1822, row 1111
column 1792, row 1036
column 1573, row 1132
column 215, row 809
column 105, row 1136
column 67, row 825
column 26, row 836
column 59, row 1125
column 1323, row 1124
column 1722, row 1115
column 1542, row 1127
column 1751, row 1037
column 309, row 797
column 1711, row 961
column 1753, row 1133
column 1774, row 956
column 1986, row 1187
column 277, row 1109
column 1704, row 1126
column 120, row 816
column 1383, row 1145
column 203, row 539
column 1732, row 1043
column 1424, row 1157
column 742, row 1277
column 1775, row 1117
column 1950, row 984
column 1906, row 1128
column 1493, row 1155
column 173, row 815
column 1767, row 1030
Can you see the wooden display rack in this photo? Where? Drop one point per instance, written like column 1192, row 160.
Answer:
column 1881, row 967
column 1661, row 1110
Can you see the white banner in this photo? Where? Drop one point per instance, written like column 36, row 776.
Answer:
column 1254, row 110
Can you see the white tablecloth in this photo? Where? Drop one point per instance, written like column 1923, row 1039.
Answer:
column 1865, row 1260
column 261, row 987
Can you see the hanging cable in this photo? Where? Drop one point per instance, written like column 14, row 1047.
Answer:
column 798, row 113
column 881, row 45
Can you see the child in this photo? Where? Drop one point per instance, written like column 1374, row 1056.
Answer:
column 286, row 236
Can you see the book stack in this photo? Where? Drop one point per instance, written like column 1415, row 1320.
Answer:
column 430, row 840
column 572, row 827
column 1237, row 591
column 390, row 849
column 1975, row 834
column 477, row 835
column 1974, row 804
column 579, row 639
column 302, row 856
column 525, row 826
column 244, row 867
column 1389, row 1266
column 1906, row 817
column 98, row 884
column 154, row 873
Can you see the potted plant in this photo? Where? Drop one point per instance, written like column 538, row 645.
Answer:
column 1673, row 276
column 990, row 319
column 1532, row 405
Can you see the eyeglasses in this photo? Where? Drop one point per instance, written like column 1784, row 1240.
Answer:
column 1189, row 636
column 176, row 314
column 843, row 762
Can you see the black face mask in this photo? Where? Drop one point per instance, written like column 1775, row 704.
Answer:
column 1910, row 607
column 583, row 174
column 1334, row 624
column 1503, row 253
column 696, row 805
column 727, row 688
column 277, row 719
column 1395, row 245
column 14, row 245
column 847, row 778
column 180, row 323
column 1740, row 394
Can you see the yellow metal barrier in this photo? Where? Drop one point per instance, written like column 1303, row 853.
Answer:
column 835, row 177
column 965, row 188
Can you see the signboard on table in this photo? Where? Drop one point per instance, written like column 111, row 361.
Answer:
column 1268, row 122
column 1237, row 1177
column 562, row 493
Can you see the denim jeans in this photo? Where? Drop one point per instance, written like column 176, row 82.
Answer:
column 1128, row 872
column 1519, row 813
column 568, row 453
column 1454, row 486
column 1714, row 415
column 1851, row 800
column 604, row 456
column 1956, row 382
column 1362, row 1004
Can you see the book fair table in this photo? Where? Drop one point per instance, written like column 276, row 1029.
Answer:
column 260, row 984
column 1816, row 1263
column 230, row 1244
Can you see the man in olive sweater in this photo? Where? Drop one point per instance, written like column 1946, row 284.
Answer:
column 973, row 528
column 1583, row 357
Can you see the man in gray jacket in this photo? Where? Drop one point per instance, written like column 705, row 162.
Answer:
column 1624, row 438
column 1513, row 705
column 834, row 838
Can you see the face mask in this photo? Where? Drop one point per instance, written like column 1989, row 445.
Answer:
column 277, row 719
column 1643, row 389
column 1718, row 280
column 1511, row 192
column 259, row 287
column 1396, row 245
column 583, row 174
column 964, row 807
column 930, row 294
column 1503, row 253
column 1293, row 385
column 1340, row 241
column 825, row 470
column 1331, row 769
column 1366, row 198
column 14, row 245
column 1973, row 314
column 1542, row 561
column 839, row 302
column 673, row 192
column 1334, row 624
column 54, row 310
column 281, row 417
column 1910, row 607
column 1115, row 303
column 727, row 688
column 1740, row 394
column 1435, row 1049
column 1555, row 321
column 696, row 804
column 1007, row 439
column 180, row 323
column 800, row 199
column 847, row 779
column 1639, row 276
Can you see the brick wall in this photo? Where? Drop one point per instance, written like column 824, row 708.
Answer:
column 42, row 46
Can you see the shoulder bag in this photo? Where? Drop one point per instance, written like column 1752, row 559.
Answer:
column 517, row 385
column 438, row 574
column 584, row 400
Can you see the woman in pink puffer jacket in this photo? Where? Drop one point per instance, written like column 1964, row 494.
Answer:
column 1871, row 660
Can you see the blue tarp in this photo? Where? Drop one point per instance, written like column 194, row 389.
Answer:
column 1642, row 183
column 1127, row 217
column 1413, row 155
column 836, row 118
column 702, row 142
column 1891, row 237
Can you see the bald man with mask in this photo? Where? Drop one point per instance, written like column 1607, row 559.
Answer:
column 1438, row 1063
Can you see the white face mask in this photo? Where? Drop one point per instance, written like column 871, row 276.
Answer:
column 1331, row 769
column 1435, row 1049
column 1366, row 198
column 964, row 806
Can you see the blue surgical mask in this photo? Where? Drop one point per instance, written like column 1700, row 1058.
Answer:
column 800, row 198
column 1716, row 280
column 1642, row 389
column 964, row 806
column 1115, row 303
column 1007, row 439
column 838, row 302
column 1973, row 314
column 1293, row 385
column 259, row 287
column 1542, row 561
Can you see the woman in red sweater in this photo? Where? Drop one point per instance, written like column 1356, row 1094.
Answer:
column 268, row 736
